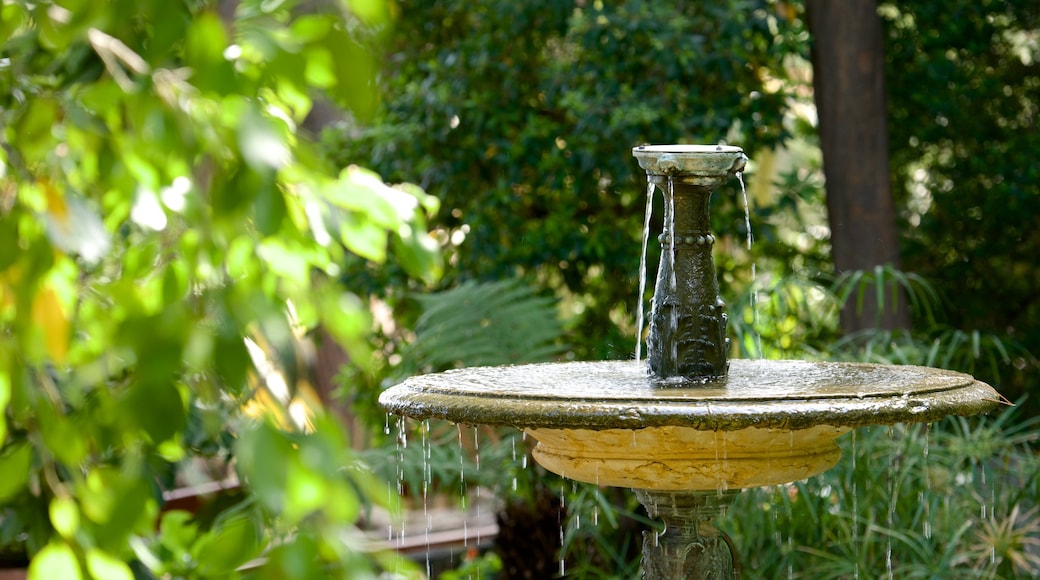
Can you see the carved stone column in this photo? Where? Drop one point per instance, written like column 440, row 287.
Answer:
column 687, row 321
column 690, row 548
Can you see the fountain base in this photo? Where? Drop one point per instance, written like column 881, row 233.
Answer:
column 690, row 547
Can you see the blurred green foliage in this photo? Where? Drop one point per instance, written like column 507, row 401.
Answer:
column 520, row 117
column 161, row 214
column 964, row 81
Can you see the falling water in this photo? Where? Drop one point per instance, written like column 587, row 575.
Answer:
column 927, row 487
column 747, row 210
column 673, row 322
column 427, row 480
column 512, row 442
column 754, row 273
column 476, row 456
column 563, row 506
column 855, row 504
column 462, row 491
column 642, row 268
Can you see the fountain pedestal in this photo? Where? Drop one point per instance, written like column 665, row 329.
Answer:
column 687, row 322
column 690, row 547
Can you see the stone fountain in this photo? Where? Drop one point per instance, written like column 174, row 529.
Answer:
column 688, row 429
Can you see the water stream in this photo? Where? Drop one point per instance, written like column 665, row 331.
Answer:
column 642, row 269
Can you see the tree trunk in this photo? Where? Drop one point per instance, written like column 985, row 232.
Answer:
column 849, row 84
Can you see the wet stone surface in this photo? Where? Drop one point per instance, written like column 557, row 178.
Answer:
column 756, row 393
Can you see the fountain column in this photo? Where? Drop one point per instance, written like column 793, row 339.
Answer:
column 690, row 548
column 687, row 321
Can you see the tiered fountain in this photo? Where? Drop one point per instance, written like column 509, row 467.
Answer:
column 688, row 429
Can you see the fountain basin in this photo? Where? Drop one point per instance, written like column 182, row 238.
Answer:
column 711, row 162
column 685, row 459
column 766, row 422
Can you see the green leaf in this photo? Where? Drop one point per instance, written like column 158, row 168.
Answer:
column 270, row 210
column 263, row 146
column 355, row 74
column 263, row 452
column 5, row 398
column 363, row 237
column 15, row 464
column 157, row 408
column 56, row 560
column 64, row 516
column 103, row 565
column 231, row 543
column 419, row 253
column 178, row 530
column 204, row 52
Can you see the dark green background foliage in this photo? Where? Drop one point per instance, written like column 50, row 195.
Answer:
column 964, row 99
column 520, row 117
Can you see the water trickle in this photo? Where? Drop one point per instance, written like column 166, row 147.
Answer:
column 559, row 513
column 855, row 504
column 476, row 458
column 747, row 209
column 427, row 480
column 386, row 427
column 754, row 271
column 642, row 269
column 462, row 470
column 927, row 486
column 673, row 319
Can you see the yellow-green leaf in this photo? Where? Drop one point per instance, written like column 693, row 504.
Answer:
column 64, row 516
column 103, row 565
column 55, row 560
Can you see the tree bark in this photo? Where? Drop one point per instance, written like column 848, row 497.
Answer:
column 849, row 84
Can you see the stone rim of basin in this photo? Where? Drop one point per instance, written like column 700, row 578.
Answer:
column 757, row 393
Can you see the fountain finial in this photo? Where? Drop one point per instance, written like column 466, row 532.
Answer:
column 687, row 340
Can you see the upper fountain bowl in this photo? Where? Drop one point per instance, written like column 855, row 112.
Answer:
column 711, row 161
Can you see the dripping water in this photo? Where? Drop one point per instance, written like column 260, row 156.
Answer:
column 927, row 487
column 673, row 322
column 855, row 504
column 559, row 518
column 402, row 444
column 427, row 480
column 512, row 442
column 892, row 499
column 754, row 273
column 642, row 267
column 476, row 456
column 462, row 491
column 747, row 209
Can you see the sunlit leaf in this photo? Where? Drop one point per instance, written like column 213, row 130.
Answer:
column 56, row 560
column 363, row 237
column 263, row 147
column 419, row 253
column 64, row 515
column 104, row 565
